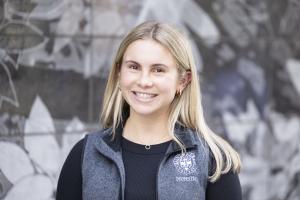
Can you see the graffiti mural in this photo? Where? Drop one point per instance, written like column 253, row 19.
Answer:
column 55, row 56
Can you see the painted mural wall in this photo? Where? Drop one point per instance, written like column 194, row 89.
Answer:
column 54, row 60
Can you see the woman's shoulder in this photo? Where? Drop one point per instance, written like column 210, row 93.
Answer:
column 101, row 133
column 226, row 187
column 79, row 145
column 76, row 150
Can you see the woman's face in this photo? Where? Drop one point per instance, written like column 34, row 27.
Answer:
column 148, row 78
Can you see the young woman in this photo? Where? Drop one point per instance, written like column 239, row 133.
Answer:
column 155, row 143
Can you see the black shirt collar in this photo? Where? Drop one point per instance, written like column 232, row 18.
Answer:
column 185, row 135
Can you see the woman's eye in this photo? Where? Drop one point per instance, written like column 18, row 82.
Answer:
column 133, row 67
column 158, row 70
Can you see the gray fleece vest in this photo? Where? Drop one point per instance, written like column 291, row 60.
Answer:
column 180, row 176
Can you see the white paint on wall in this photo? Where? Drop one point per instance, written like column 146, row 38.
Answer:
column 293, row 68
column 39, row 142
column 14, row 162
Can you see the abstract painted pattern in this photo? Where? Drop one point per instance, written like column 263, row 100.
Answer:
column 55, row 56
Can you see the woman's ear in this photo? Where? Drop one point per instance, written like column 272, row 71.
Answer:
column 119, row 71
column 186, row 79
column 118, row 67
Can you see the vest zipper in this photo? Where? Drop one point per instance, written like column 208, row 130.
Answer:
column 159, row 166
column 119, row 168
column 122, row 181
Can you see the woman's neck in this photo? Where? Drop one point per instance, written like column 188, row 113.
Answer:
column 146, row 131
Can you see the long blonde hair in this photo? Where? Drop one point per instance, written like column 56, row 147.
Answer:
column 185, row 108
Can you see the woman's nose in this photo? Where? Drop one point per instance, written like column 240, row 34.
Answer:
column 145, row 80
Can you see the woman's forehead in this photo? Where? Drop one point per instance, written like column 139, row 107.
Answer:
column 148, row 51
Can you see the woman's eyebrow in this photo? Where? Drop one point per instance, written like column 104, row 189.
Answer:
column 132, row 61
column 159, row 65
column 153, row 65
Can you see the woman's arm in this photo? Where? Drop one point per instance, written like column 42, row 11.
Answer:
column 227, row 187
column 70, row 180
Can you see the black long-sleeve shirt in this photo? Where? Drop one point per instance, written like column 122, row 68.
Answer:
column 140, row 170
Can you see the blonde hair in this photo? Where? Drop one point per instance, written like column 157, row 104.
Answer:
column 185, row 108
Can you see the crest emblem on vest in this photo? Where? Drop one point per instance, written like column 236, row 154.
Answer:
column 185, row 163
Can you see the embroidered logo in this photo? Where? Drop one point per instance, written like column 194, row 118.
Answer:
column 185, row 163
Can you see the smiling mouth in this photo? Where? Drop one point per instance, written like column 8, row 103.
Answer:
column 144, row 95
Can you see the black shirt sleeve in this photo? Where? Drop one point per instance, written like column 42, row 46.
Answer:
column 227, row 187
column 69, row 184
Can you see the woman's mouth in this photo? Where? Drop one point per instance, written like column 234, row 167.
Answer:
column 144, row 95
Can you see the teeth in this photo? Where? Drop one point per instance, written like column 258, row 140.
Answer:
column 144, row 95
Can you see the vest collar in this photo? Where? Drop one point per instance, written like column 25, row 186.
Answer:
column 187, row 136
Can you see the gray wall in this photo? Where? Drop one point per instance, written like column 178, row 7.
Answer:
column 55, row 56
